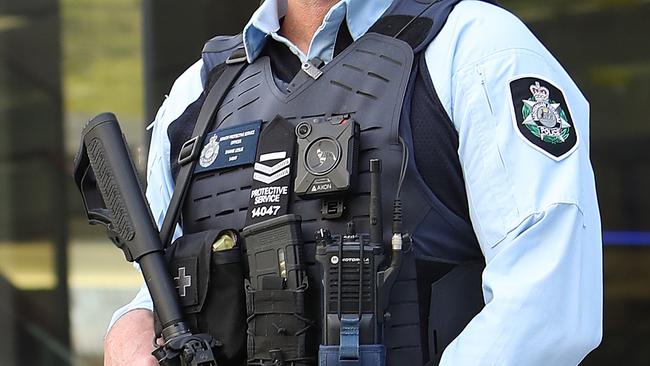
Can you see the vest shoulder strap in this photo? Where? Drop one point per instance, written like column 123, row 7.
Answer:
column 216, row 52
column 416, row 22
column 220, row 44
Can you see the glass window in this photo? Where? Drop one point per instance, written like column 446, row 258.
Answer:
column 102, row 71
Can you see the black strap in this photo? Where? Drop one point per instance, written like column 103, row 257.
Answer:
column 190, row 150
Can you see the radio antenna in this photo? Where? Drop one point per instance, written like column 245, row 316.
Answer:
column 376, row 224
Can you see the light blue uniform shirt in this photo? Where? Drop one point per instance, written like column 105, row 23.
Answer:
column 536, row 219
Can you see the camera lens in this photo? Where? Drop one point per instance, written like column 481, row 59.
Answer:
column 303, row 130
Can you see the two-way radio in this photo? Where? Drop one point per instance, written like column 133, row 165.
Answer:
column 355, row 289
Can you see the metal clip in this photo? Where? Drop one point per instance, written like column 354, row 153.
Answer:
column 239, row 55
column 277, row 357
column 312, row 70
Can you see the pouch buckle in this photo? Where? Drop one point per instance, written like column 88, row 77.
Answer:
column 188, row 151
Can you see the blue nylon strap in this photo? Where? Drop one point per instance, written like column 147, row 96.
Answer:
column 349, row 344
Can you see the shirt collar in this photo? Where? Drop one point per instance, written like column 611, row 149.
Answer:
column 265, row 22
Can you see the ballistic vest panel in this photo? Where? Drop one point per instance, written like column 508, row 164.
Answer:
column 376, row 80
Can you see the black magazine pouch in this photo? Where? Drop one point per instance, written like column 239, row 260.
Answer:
column 210, row 284
column 275, row 293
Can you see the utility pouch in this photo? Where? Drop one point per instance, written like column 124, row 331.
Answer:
column 210, row 285
column 275, row 293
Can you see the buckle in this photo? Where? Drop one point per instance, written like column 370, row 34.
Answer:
column 332, row 209
column 239, row 55
column 188, row 151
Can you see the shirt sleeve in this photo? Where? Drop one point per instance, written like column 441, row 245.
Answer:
column 160, row 184
column 535, row 214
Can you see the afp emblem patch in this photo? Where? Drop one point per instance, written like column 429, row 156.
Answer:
column 210, row 152
column 542, row 117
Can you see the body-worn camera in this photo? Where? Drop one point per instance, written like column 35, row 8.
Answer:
column 327, row 155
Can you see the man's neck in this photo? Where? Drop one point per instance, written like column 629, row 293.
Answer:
column 303, row 19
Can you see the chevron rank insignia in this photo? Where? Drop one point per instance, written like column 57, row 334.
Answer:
column 542, row 118
column 280, row 168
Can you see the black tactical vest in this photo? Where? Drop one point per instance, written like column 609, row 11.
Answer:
column 382, row 82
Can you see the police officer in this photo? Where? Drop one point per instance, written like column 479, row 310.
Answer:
column 517, row 166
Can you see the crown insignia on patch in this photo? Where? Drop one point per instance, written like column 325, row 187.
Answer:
column 540, row 93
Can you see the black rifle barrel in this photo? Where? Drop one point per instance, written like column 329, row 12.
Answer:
column 130, row 217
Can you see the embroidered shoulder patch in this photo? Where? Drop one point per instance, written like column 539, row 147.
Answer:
column 542, row 118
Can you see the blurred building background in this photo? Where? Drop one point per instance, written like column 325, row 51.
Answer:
column 63, row 61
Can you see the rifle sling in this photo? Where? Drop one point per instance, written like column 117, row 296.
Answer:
column 190, row 150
